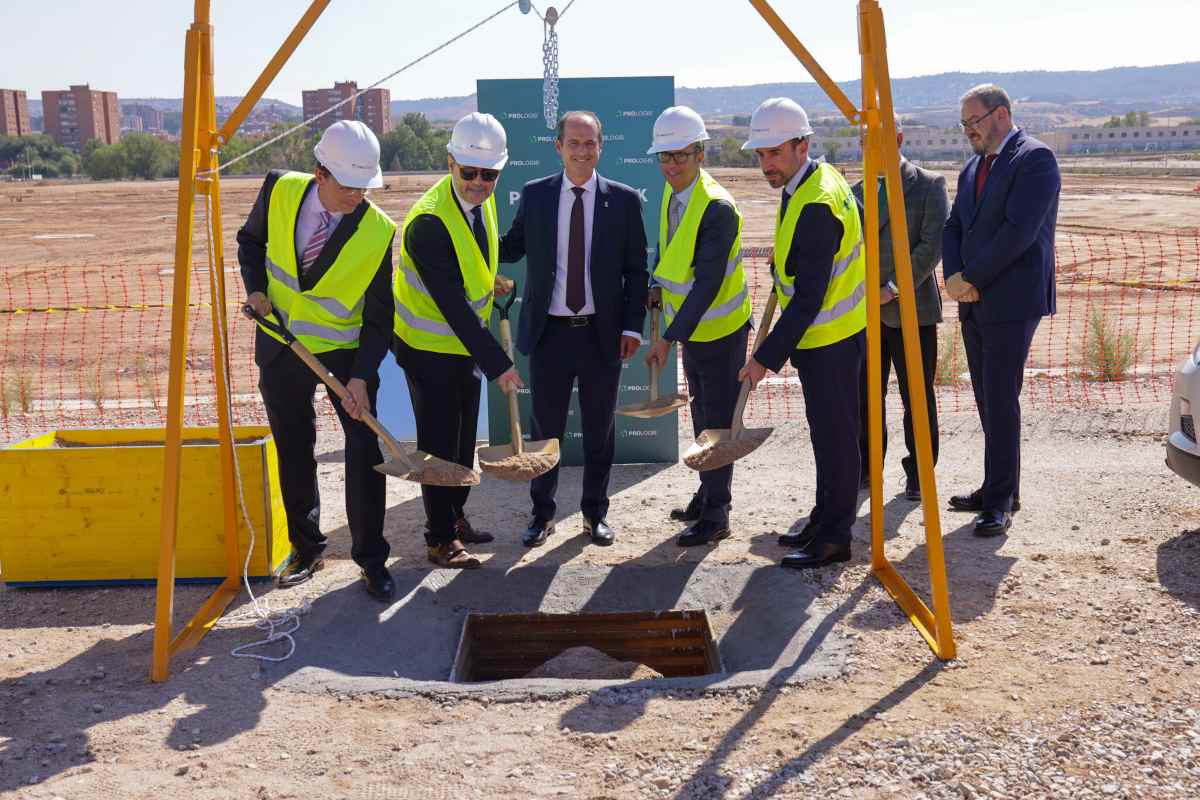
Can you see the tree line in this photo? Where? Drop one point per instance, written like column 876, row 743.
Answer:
column 412, row 144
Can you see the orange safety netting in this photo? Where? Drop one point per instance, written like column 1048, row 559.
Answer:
column 88, row 347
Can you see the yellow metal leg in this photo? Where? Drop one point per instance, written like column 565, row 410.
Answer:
column 881, row 158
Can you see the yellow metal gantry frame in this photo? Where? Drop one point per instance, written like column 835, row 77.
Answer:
column 198, row 175
column 881, row 158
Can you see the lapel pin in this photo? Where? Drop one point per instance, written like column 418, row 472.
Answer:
column 606, row 204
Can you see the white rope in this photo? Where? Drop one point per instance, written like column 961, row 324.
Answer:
column 279, row 625
column 360, row 92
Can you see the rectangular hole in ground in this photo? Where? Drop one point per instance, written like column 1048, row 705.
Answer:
column 496, row 647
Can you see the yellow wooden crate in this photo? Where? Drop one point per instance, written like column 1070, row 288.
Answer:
column 83, row 507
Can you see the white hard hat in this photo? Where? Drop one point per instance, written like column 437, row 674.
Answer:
column 676, row 128
column 776, row 121
column 478, row 140
column 350, row 151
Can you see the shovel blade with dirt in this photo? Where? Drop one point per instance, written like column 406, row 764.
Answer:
column 718, row 447
column 417, row 466
column 657, row 406
column 519, row 460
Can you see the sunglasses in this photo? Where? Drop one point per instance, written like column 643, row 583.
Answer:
column 470, row 174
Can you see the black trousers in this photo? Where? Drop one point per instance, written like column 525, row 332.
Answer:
column 287, row 386
column 564, row 354
column 830, row 377
column 711, row 369
column 445, row 397
column 996, row 354
column 892, row 352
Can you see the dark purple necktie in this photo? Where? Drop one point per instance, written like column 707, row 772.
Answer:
column 576, row 297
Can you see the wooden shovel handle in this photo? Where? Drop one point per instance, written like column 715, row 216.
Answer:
column 514, row 413
column 654, row 369
column 759, row 337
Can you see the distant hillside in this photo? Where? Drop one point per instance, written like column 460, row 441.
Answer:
column 1109, row 91
column 1053, row 97
column 176, row 104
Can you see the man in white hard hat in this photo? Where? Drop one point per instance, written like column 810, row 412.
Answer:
column 582, row 310
column 444, row 289
column 318, row 253
column 819, row 272
column 699, row 281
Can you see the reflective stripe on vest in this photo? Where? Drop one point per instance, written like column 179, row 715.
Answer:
column 418, row 320
column 676, row 270
column 329, row 315
column 843, row 311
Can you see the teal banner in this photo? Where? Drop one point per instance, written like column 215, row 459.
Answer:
column 627, row 108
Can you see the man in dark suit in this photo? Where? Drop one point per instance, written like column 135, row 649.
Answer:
column 582, row 309
column 998, row 258
column 926, row 205
column 317, row 253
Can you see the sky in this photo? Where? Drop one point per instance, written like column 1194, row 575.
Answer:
column 135, row 47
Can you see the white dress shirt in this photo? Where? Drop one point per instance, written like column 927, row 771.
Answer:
column 794, row 183
column 558, row 298
column 566, row 202
column 309, row 219
column 1011, row 133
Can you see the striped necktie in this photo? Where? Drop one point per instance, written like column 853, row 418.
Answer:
column 315, row 243
column 674, row 217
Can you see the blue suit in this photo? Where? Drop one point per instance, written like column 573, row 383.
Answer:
column 1003, row 244
column 563, row 350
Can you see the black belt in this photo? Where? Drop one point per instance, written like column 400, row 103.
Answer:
column 575, row 322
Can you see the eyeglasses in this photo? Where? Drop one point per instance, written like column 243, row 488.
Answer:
column 470, row 174
column 971, row 123
column 680, row 157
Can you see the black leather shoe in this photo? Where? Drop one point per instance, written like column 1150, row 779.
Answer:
column 912, row 490
column 379, row 583
column 692, row 512
column 465, row 533
column 703, row 531
column 600, row 532
column 803, row 538
column 993, row 523
column 300, row 569
column 817, row 554
column 536, row 533
column 974, row 502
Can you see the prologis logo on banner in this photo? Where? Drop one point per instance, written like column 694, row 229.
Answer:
column 521, row 115
column 541, row 139
column 636, row 160
column 635, row 113
column 524, row 163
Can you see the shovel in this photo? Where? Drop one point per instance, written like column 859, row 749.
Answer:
column 417, row 466
column 658, row 406
column 718, row 447
column 520, row 460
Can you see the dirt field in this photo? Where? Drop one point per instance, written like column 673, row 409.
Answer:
column 1078, row 653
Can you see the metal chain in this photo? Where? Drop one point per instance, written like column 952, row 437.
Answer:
column 550, row 76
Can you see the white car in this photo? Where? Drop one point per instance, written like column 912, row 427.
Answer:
column 1183, row 452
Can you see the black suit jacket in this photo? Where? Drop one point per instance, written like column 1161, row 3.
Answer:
column 618, row 260
column 1004, row 244
column 378, row 303
column 926, row 205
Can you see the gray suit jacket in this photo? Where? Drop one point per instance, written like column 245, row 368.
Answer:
column 927, row 205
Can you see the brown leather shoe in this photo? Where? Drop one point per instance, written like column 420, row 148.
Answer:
column 453, row 555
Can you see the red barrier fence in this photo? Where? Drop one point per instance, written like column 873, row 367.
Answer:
column 86, row 345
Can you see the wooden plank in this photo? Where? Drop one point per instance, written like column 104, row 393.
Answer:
column 612, row 645
column 585, row 628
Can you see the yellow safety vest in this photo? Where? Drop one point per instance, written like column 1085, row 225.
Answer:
column 418, row 320
column 329, row 315
column 676, row 270
column 843, row 310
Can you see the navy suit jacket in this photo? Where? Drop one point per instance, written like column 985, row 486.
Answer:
column 618, row 260
column 1004, row 244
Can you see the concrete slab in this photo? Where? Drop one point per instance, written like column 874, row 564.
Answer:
column 770, row 625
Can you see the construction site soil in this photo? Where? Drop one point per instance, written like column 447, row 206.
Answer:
column 1078, row 654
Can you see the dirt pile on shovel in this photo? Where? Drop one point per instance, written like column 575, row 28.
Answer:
column 524, row 466
column 588, row 663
